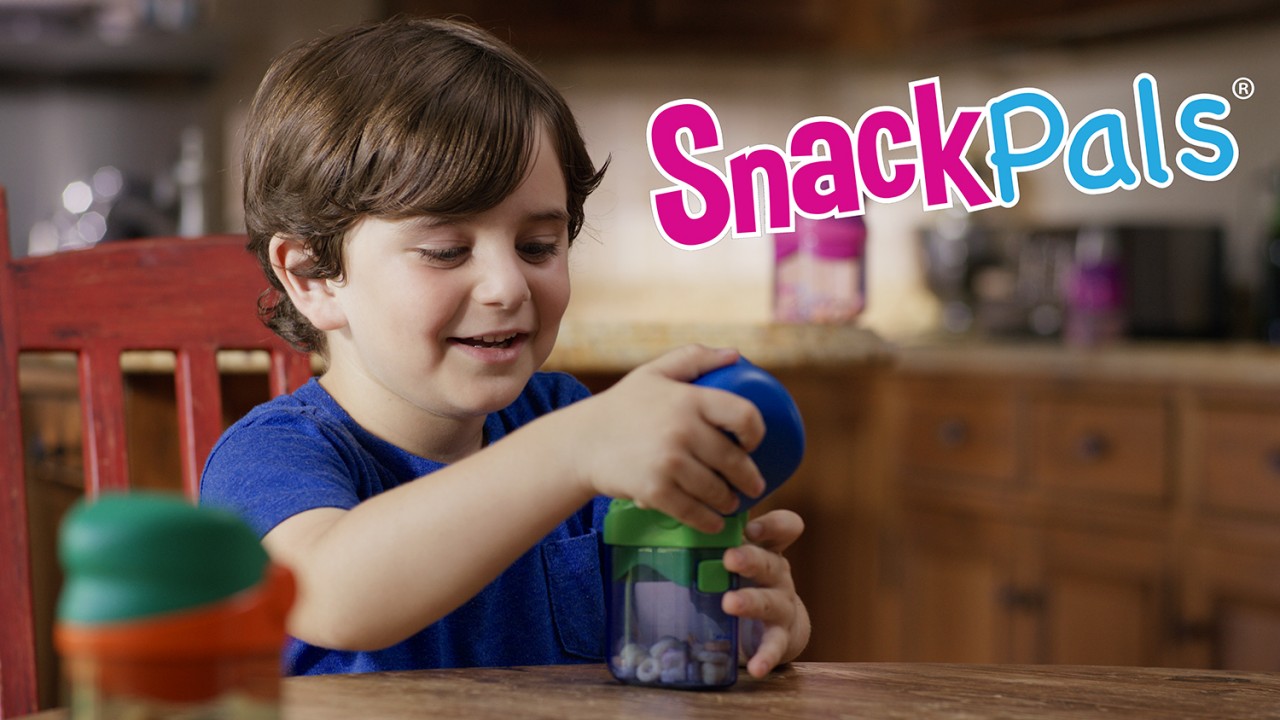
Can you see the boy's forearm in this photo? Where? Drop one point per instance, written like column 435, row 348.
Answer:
column 401, row 560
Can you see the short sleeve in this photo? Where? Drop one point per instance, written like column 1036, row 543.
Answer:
column 276, row 466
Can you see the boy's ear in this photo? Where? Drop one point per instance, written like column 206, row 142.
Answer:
column 313, row 297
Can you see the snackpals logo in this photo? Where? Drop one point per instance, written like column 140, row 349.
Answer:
column 831, row 170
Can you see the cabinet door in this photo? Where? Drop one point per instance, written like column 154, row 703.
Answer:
column 1104, row 599
column 1096, row 447
column 1234, row 602
column 961, row 430
column 959, row 587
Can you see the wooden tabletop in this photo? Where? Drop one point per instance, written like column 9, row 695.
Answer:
column 910, row 691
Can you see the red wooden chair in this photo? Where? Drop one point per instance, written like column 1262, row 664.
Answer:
column 192, row 296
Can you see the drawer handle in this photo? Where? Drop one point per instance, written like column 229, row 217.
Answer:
column 1092, row 447
column 953, row 432
column 1273, row 460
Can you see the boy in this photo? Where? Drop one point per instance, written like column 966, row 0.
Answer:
column 411, row 190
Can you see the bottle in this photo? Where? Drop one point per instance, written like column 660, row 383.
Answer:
column 819, row 271
column 168, row 610
column 666, row 580
column 1095, row 291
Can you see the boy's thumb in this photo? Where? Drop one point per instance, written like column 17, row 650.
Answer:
column 690, row 362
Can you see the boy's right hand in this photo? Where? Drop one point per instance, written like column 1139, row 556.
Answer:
column 660, row 441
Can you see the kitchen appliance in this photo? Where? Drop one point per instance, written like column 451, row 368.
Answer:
column 1157, row 280
column 666, row 580
column 1175, row 283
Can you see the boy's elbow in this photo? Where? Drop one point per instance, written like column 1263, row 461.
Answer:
column 337, row 630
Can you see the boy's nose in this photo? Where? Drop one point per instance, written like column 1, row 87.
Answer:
column 502, row 282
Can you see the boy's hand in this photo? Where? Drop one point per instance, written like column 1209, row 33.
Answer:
column 771, row 599
column 660, row 441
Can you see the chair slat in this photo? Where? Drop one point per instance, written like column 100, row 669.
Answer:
column 106, row 459
column 193, row 296
column 198, row 389
column 289, row 370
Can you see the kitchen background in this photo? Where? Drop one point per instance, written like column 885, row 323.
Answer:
column 156, row 90
column 970, row 494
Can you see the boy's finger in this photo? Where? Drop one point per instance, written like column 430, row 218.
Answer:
column 767, row 657
column 729, row 463
column 733, row 414
column 689, row 362
column 710, row 488
column 775, row 530
column 763, row 567
column 685, row 509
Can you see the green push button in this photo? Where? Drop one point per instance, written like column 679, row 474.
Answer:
column 712, row 577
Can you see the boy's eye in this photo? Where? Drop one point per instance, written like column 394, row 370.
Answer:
column 444, row 256
column 539, row 251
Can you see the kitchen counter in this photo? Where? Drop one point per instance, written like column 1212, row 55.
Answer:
column 593, row 347
column 1249, row 364
column 607, row 348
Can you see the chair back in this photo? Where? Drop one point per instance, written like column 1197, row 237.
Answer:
column 191, row 296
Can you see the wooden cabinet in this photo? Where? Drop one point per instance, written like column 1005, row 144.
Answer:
column 1067, row 516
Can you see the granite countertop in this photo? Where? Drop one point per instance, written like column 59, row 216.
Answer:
column 599, row 347
column 1237, row 363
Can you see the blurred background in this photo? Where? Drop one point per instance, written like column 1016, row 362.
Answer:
column 120, row 118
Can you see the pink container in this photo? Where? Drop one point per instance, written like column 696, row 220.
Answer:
column 819, row 271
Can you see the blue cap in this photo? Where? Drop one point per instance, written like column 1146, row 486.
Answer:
column 779, row 453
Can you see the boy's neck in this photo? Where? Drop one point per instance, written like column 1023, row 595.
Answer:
column 442, row 439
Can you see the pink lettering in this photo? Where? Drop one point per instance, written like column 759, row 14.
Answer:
column 826, row 185
column 678, row 222
column 942, row 150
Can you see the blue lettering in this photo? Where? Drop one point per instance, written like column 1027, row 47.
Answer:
column 1222, row 144
column 1003, row 158
column 1107, row 126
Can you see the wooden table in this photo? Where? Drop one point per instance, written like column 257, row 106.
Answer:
column 804, row 690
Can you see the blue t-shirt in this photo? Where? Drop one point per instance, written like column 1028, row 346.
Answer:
column 303, row 451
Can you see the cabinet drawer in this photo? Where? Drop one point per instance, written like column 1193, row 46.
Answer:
column 1241, row 471
column 957, row 428
column 1113, row 447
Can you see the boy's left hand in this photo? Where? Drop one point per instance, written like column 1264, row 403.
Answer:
column 771, row 596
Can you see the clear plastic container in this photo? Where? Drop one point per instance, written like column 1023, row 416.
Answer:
column 666, row 626
column 667, row 581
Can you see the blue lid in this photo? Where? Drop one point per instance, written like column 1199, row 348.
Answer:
column 779, row 453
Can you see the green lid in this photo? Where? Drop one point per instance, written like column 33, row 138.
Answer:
column 626, row 524
column 129, row 556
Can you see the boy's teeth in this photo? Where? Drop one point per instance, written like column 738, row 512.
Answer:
column 491, row 340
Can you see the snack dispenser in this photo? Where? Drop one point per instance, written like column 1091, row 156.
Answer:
column 168, row 610
column 666, row 580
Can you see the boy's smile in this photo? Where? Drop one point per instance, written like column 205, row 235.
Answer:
column 442, row 321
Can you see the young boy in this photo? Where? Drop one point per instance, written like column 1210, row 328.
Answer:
column 411, row 189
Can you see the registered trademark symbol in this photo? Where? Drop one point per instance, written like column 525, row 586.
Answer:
column 1242, row 88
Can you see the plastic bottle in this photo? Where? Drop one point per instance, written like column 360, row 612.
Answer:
column 1096, row 291
column 666, row 627
column 168, row 610
column 819, row 272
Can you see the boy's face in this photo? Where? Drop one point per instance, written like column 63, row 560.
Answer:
column 451, row 318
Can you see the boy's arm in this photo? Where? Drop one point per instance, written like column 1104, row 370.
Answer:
column 373, row 575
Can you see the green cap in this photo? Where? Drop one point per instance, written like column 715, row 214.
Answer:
column 129, row 556
column 626, row 524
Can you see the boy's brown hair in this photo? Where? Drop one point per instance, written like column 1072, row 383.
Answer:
column 392, row 119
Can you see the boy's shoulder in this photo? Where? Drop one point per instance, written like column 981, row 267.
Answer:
column 311, row 405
